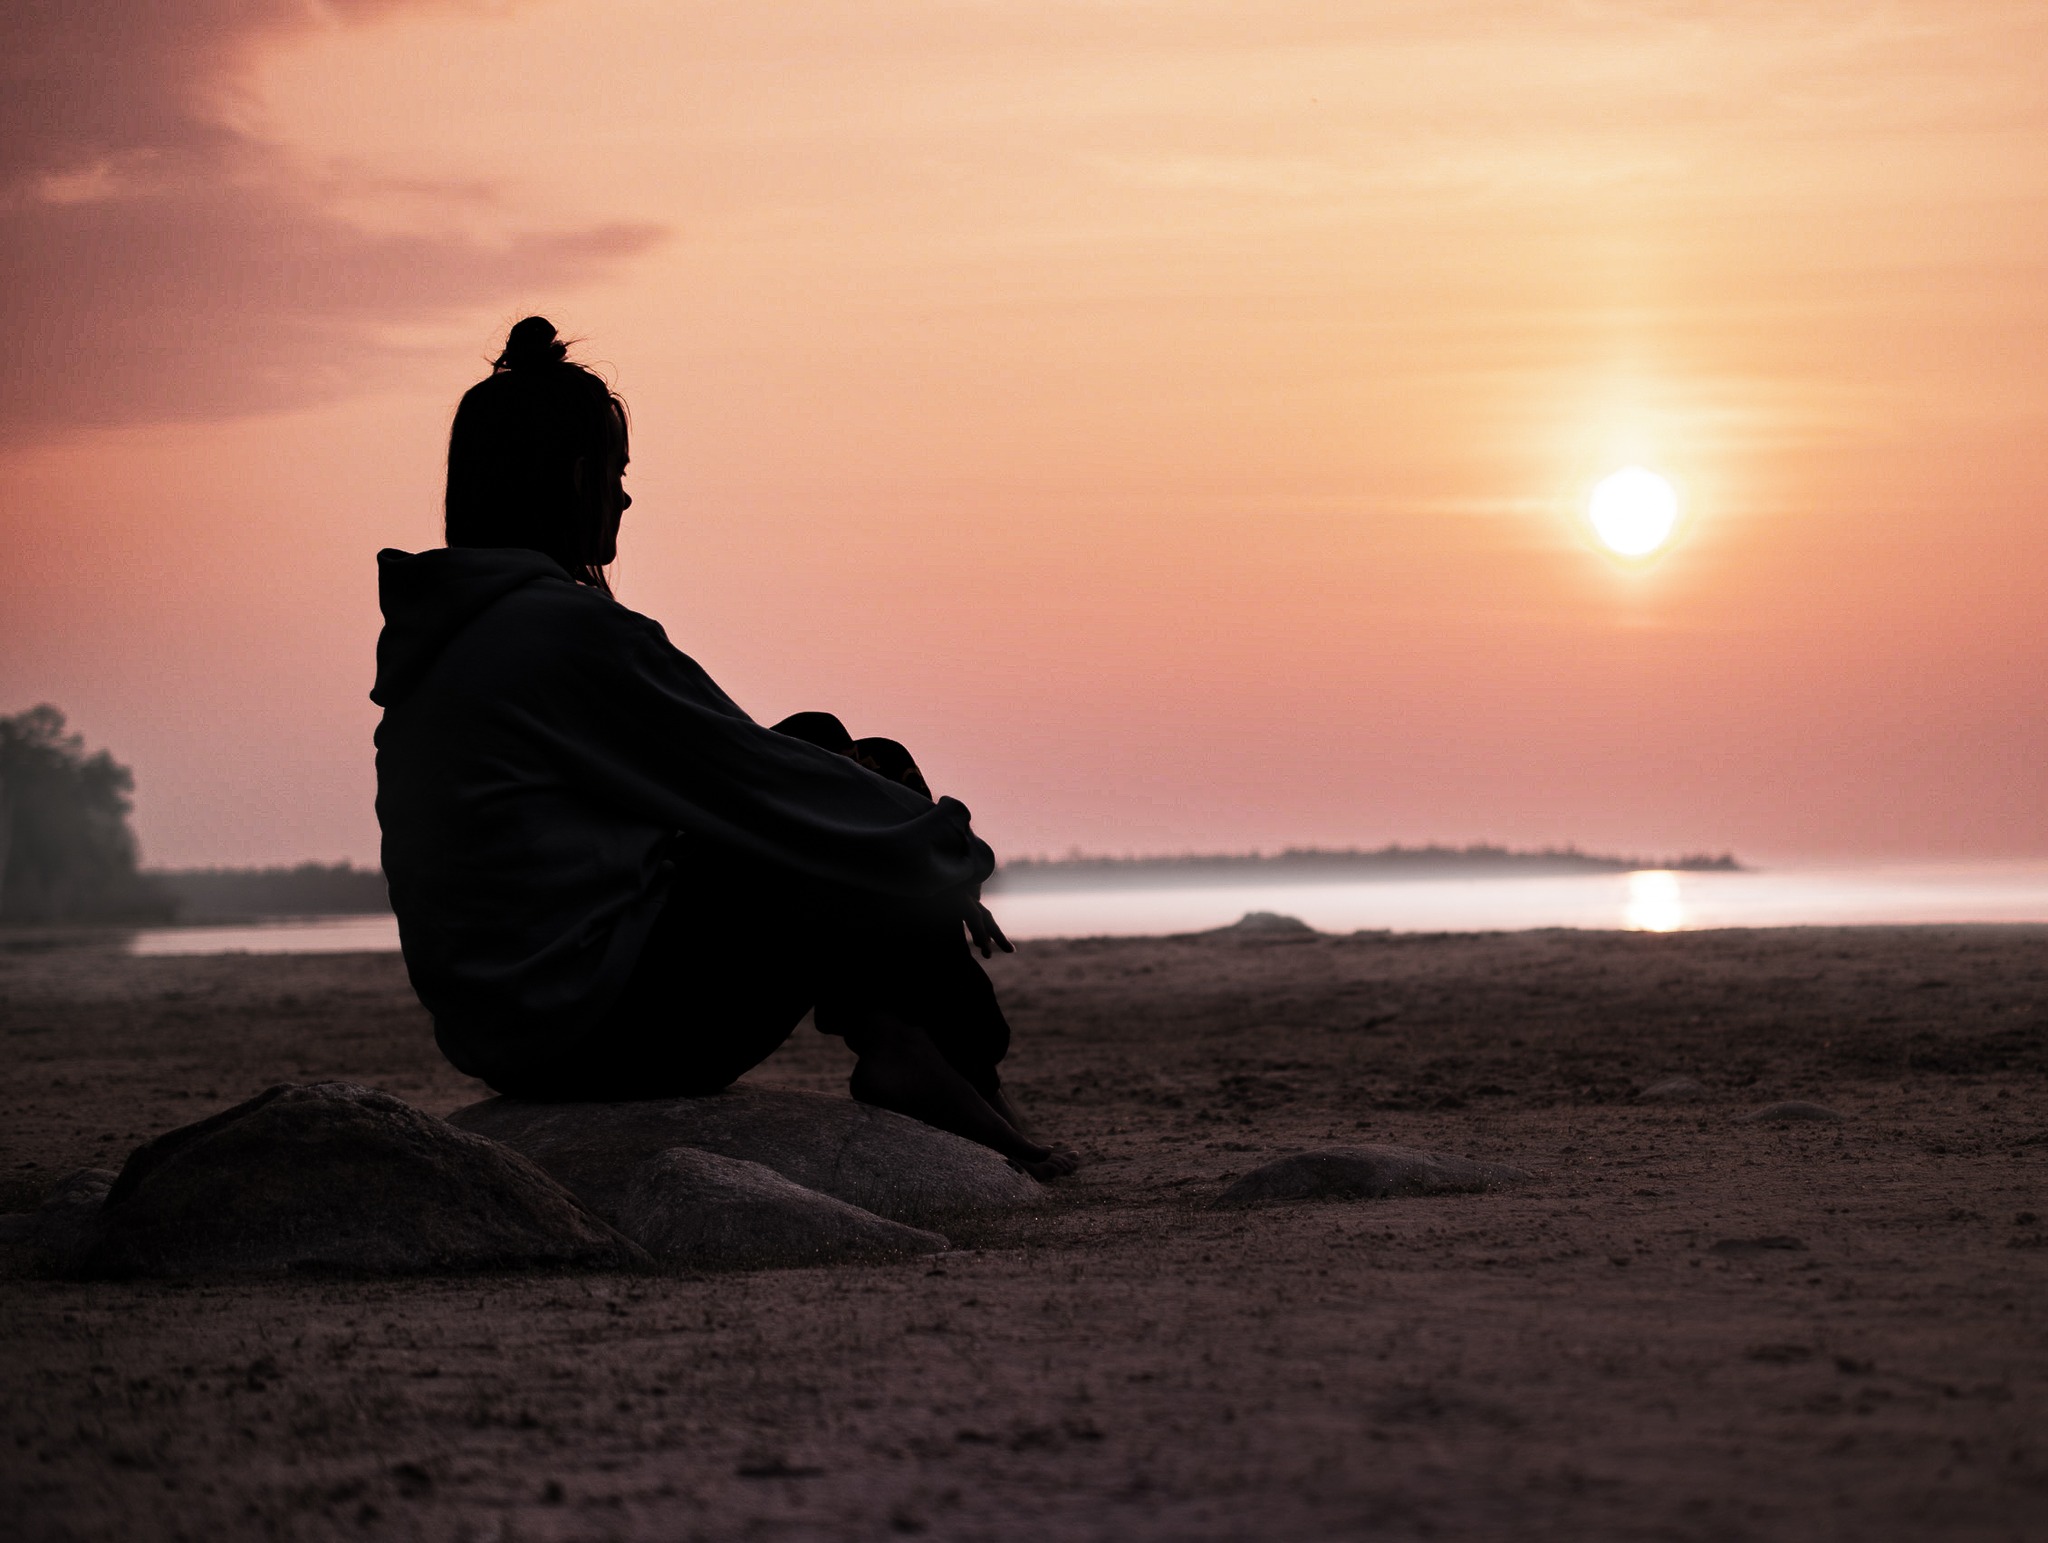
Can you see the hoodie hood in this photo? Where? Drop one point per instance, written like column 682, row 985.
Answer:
column 429, row 597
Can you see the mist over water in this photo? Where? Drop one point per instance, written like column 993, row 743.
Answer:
column 1647, row 901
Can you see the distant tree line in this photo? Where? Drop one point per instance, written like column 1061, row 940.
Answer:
column 1310, row 865
column 309, row 889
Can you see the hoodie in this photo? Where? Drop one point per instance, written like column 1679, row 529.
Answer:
column 542, row 749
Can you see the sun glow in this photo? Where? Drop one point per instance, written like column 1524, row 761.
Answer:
column 1654, row 902
column 1633, row 511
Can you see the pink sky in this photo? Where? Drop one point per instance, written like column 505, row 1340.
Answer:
column 1173, row 420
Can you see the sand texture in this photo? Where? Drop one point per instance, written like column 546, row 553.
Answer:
column 1686, row 1325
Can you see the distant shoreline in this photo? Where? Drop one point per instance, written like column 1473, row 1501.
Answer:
column 1319, row 865
column 217, row 896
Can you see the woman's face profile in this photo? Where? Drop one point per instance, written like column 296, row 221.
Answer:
column 613, row 499
column 616, row 502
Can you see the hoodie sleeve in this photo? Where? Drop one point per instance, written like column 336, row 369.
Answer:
column 635, row 723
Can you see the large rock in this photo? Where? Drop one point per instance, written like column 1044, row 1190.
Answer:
column 334, row 1178
column 698, row 1209
column 882, row 1162
column 1365, row 1173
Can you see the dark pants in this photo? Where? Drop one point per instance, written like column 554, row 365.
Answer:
column 742, row 951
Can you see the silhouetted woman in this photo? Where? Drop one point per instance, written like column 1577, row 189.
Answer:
column 611, row 883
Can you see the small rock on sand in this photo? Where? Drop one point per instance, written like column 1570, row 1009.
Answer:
column 1265, row 924
column 1774, row 1244
column 881, row 1162
column 695, row 1208
column 1784, row 1113
column 1365, row 1173
column 67, row 1211
column 1673, row 1090
column 334, row 1178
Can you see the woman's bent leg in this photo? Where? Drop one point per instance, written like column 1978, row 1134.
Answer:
column 915, row 1006
column 742, row 951
column 908, row 961
column 722, row 981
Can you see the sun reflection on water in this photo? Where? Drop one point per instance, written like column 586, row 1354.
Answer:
column 1654, row 904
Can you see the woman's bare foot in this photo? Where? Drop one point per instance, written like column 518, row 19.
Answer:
column 900, row 1069
column 1066, row 1158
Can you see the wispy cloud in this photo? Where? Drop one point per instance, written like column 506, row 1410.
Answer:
column 158, row 262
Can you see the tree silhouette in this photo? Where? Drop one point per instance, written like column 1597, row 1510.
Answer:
column 66, row 853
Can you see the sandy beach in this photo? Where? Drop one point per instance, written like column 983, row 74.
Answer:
column 1689, row 1327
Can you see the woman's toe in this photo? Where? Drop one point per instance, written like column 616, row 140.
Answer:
column 1056, row 1164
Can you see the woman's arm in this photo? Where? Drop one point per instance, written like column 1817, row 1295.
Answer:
column 633, row 721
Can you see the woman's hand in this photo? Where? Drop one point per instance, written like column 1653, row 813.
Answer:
column 982, row 928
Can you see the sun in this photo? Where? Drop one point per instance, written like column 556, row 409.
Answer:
column 1633, row 511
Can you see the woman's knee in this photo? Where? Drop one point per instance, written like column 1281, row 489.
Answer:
column 887, row 757
column 892, row 760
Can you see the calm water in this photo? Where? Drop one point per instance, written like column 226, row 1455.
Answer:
column 1643, row 902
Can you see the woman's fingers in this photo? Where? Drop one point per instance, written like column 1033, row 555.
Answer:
column 996, row 932
column 988, row 937
column 981, row 927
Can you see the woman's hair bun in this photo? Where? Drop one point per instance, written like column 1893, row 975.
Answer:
column 531, row 344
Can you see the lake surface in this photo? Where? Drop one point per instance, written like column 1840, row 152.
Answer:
column 1650, row 901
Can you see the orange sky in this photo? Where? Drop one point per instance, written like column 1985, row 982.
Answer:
column 1170, row 418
